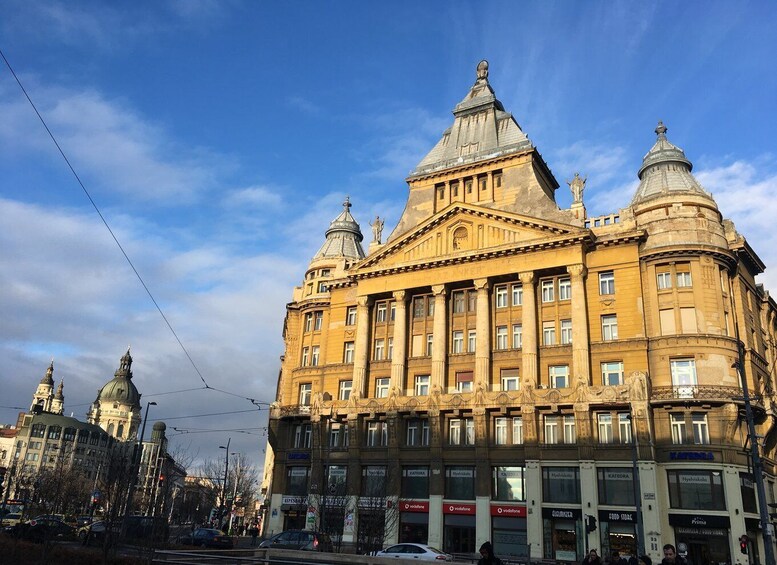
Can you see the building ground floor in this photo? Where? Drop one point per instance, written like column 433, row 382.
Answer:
column 551, row 510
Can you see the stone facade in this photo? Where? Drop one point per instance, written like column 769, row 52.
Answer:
column 493, row 361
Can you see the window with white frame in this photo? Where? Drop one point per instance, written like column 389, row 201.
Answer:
column 305, row 356
column 566, row 332
column 517, row 430
column 500, row 296
column 559, row 376
column 677, row 423
column 664, row 280
column 551, row 430
column 570, row 436
column 612, row 373
column 500, row 431
column 510, row 380
column 606, row 282
column 348, row 352
column 318, row 320
column 548, row 294
column 393, row 312
column 517, row 336
column 350, row 316
column 472, row 301
column 345, row 390
column 624, row 427
column 684, row 279
column 380, row 312
column 308, row 321
column 380, row 349
column 609, row 327
column 683, row 376
column 701, row 432
column 417, row 432
column 419, row 307
column 302, row 436
column 461, row 431
column 377, row 434
column 315, row 353
column 605, row 428
column 390, row 348
column 548, row 333
column 457, row 341
column 429, row 344
column 564, row 289
column 382, row 387
column 464, row 381
column 338, row 435
column 421, row 387
column 472, row 336
column 517, row 292
column 458, row 302
column 501, row 337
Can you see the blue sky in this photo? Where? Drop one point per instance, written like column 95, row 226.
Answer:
column 220, row 138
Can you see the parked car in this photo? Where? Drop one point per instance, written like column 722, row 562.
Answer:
column 414, row 551
column 43, row 528
column 207, row 537
column 95, row 531
column 299, row 539
column 11, row 519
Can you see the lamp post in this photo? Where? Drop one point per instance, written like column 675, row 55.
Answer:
column 136, row 454
column 226, row 473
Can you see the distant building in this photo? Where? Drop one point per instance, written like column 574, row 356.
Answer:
column 484, row 372
column 117, row 406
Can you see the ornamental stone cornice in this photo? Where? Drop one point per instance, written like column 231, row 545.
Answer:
column 684, row 251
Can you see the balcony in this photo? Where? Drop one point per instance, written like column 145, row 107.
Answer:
column 702, row 392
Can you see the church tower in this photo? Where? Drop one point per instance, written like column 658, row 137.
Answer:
column 44, row 394
column 117, row 406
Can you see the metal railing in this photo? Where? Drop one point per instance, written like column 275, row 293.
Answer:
column 699, row 392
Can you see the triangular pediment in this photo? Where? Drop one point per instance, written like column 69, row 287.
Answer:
column 464, row 230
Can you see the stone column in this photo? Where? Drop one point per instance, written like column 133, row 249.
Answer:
column 399, row 356
column 362, row 345
column 529, row 322
column 440, row 340
column 581, row 368
column 483, row 336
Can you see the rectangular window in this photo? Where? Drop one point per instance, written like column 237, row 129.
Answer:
column 458, row 302
column 548, row 333
column 417, row 432
column 379, row 349
column 350, row 316
column 382, row 387
column 318, row 319
column 688, row 320
column 348, row 352
column 497, row 180
column 517, row 336
column 338, row 435
column 415, row 482
column 609, row 327
column 500, row 431
column 696, row 490
column 564, row 289
column 308, row 321
column 677, row 422
column 606, row 282
column 500, row 295
column 460, row 483
column 464, row 381
column 548, row 294
column 570, row 435
column 566, row 332
column 472, row 340
column 624, row 427
column 461, row 431
column 315, row 353
column 457, row 341
column 509, row 484
column 664, row 280
column 684, row 279
column 701, row 432
column 322, row 286
column 302, row 436
column 683, row 377
column 305, row 392
column 561, row 484
column 455, row 188
column 472, row 301
column 510, row 380
column 616, row 486
column 421, row 385
column 305, row 356
column 747, row 488
column 517, row 430
column 373, row 481
column 612, row 373
column 551, row 430
column 297, row 481
column 345, row 390
column 605, row 428
column 336, row 480
column 559, row 376
column 666, row 317
column 393, row 312
column 517, row 290
column 429, row 344
column 419, row 307
column 501, row 337
column 377, row 434
column 380, row 312
column 482, row 183
column 390, row 348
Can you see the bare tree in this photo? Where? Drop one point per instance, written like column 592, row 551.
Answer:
column 240, row 488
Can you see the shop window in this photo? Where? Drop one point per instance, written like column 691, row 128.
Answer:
column 747, row 486
column 696, row 490
column 508, row 483
column 415, row 481
column 336, row 480
column 297, row 481
column 373, row 481
column 616, row 486
column 460, row 483
column 561, row 484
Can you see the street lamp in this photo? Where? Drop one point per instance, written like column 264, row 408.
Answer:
column 134, row 470
column 224, row 489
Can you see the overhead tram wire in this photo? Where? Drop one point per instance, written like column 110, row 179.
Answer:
column 116, row 240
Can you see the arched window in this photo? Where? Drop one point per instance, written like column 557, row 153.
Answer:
column 110, row 428
column 460, row 236
column 120, row 431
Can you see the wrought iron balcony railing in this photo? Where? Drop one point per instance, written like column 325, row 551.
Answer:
column 700, row 392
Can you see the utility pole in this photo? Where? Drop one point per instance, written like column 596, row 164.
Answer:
column 134, row 469
column 226, row 474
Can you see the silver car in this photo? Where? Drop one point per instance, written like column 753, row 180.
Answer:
column 414, row 551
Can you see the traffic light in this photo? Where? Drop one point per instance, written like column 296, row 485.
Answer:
column 590, row 523
column 743, row 544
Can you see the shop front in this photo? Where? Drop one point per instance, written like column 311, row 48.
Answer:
column 617, row 532
column 294, row 509
column 563, row 534
column 413, row 521
column 458, row 527
column 707, row 537
column 508, row 530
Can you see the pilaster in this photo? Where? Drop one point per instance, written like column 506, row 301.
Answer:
column 581, row 367
column 440, row 340
column 362, row 345
column 399, row 357
column 483, row 335
column 529, row 348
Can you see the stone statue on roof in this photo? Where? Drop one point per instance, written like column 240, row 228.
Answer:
column 482, row 70
column 577, row 185
column 377, row 229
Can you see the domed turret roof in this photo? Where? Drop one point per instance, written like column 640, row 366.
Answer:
column 48, row 378
column 343, row 238
column 666, row 170
column 121, row 388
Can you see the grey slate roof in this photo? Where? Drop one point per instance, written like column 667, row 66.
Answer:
column 481, row 130
column 666, row 170
column 343, row 238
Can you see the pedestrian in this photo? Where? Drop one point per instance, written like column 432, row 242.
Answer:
column 254, row 534
column 592, row 558
column 671, row 557
column 616, row 559
column 487, row 555
column 645, row 560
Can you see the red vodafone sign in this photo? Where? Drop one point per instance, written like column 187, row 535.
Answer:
column 413, row 506
column 458, row 508
column 508, row 511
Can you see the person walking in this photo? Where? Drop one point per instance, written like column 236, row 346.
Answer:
column 592, row 558
column 254, row 533
column 671, row 557
column 487, row 555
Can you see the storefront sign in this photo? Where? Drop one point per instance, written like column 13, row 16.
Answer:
column 691, row 456
column 628, row 516
column 508, row 511
column 697, row 521
column 298, row 456
column 293, row 500
column 457, row 508
column 707, row 532
column 417, row 473
column 558, row 513
column 413, row 506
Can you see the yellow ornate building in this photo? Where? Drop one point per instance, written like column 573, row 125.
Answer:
column 485, row 372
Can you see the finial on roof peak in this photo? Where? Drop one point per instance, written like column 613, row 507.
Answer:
column 482, row 70
column 347, row 204
column 661, row 130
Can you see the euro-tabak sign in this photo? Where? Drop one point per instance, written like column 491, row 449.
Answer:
column 508, row 511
